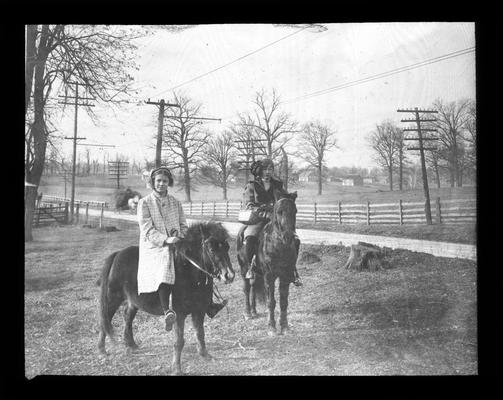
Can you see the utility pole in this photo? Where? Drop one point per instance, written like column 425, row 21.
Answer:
column 160, row 124
column 117, row 170
column 75, row 138
column 421, row 149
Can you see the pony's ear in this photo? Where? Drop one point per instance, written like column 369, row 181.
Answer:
column 293, row 195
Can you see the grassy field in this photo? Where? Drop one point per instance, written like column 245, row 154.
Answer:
column 416, row 318
column 101, row 189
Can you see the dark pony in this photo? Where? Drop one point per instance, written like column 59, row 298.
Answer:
column 276, row 258
column 204, row 243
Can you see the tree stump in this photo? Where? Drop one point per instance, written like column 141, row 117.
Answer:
column 365, row 256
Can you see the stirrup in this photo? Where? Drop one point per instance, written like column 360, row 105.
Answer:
column 214, row 308
column 296, row 281
column 169, row 318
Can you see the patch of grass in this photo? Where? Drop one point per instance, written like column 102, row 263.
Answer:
column 418, row 317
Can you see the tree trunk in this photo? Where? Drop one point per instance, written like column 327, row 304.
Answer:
column 390, row 174
column 284, row 167
column 186, row 179
column 365, row 256
column 400, row 177
column 437, row 173
column 31, row 38
column 39, row 135
column 319, row 180
column 225, row 191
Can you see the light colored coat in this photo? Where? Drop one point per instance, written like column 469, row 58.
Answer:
column 157, row 217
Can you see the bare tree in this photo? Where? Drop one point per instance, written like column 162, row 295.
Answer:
column 249, row 148
column 452, row 119
column 98, row 56
column 433, row 161
column 384, row 141
column 269, row 122
column 401, row 157
column 471, row 137
column 316, row 140
column 184, row 140
column 219, row 156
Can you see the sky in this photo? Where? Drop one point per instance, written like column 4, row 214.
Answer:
column 344, row 66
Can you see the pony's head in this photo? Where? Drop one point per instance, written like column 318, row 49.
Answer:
column 208, row 243
column 284, row 215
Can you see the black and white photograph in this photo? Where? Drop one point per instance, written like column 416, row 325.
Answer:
column 250, row 199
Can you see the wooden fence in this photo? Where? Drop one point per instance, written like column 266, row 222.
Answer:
column 401, row 213
column 62, row 200
column 48, row 214
column 81, row 207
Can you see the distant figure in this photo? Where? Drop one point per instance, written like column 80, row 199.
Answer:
column 126, row 199
column 133, row 203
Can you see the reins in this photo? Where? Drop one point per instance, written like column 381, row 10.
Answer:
column 214, row 276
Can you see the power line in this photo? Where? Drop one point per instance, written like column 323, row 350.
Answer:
column 231, row 62
column 382, row 75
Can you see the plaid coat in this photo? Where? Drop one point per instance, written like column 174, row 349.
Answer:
column 158, row 217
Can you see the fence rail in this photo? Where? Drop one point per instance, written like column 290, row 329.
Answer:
column 63, row 200
column 398, row 213
column 49, row 214
column 401, row 213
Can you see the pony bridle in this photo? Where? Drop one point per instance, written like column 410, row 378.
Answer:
column 275, row 215
column 206, row 253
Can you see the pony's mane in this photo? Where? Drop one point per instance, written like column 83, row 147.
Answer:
column 214, row 229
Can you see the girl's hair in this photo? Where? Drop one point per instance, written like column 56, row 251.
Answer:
column 161, row 171
column 257, row 167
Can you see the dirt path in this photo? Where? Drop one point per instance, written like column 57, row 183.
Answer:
column 417, row 318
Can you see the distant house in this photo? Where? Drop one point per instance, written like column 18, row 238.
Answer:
column 335, row 179
column 308, row 176
column 352, row 180
column 368, row 181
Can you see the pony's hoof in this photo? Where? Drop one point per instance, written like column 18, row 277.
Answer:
column 207, row 357
column 103, row 352
column 254, row 314
column 284, row 330
column 248, row 317
column 272, row 332
column 132, row 349
column 177, row 373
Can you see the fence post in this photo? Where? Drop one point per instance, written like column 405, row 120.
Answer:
column 190, row 208
column 368, row 212
column 439, row 211
column 66, row 212
column 101, row 215
column 226, row 208
column 340, row 215
column 77, row 214
column 202, row 205
column 87, row 212
column 315, row 212
column 400, row 211
column 214, row 204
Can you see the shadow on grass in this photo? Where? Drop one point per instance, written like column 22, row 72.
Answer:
column 404, row 312
column 46, row 282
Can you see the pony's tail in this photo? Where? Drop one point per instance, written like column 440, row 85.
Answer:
column 259, row 288
column 105, row 323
